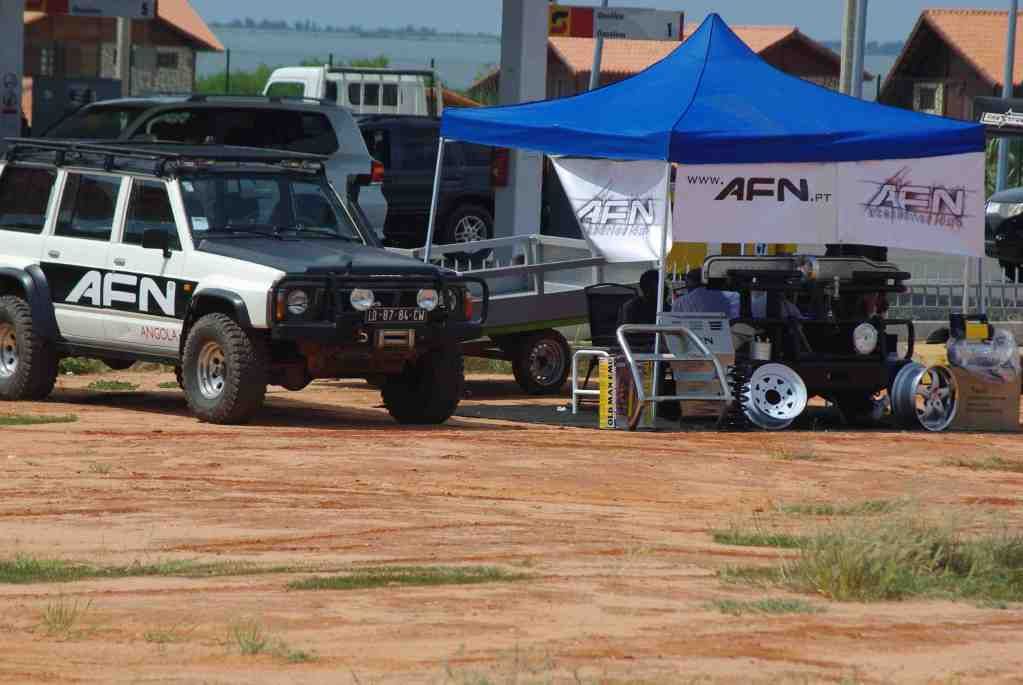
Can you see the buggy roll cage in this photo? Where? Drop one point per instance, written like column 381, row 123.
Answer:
column 166, row 157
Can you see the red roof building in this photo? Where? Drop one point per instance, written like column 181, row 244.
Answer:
column 951, row 57
column 570, row 60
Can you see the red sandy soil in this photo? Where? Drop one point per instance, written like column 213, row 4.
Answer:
column 614, row 530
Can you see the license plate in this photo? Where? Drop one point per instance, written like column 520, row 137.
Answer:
column 396, row 315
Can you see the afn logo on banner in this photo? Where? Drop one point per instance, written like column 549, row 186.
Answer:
column 621, row 207
column 896, row 199
column 621, row 218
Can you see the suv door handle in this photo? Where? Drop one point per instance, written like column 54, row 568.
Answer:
column 53, row 254
column 119, row 262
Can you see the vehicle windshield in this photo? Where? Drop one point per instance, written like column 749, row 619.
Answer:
column 97, row 123
column 271, row 204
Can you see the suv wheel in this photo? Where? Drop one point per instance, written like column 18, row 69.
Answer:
column 428, row 390
column 224, row 370
column 469, row 223
column 28, row 364
column 542, row 362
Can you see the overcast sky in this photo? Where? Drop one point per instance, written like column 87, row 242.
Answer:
column 821, row 19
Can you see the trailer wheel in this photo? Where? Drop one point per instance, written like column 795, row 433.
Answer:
column 542, row 362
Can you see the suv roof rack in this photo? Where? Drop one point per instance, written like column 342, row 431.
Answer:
column 106, row 154
column 276, row 99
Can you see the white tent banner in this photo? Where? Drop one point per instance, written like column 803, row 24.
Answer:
column 621, row 206
column 756, row 203
column 934, row 204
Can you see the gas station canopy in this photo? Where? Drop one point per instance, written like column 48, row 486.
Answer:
column 714, row 101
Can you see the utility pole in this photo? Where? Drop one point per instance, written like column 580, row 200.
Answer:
column 124, row 54
column 1002, row 178
column 1007, row 92
column 859, row 49
column 598, row 53
column 848, row 38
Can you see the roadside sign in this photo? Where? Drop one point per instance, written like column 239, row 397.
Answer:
column 131, row 9
column 616, row 22
column 639, row 24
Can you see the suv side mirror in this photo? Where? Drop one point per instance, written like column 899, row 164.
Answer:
column 156, row 239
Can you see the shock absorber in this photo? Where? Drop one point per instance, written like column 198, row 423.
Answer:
column 734, row 417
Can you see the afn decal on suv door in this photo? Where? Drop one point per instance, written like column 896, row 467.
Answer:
column 146, row 294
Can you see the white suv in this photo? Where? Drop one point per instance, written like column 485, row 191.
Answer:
column 238, row 266
column 294, row 124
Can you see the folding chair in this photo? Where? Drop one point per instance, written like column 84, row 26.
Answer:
column 603, row 301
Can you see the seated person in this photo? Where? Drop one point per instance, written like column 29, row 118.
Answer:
column 788, row 309
column 643, row 308
column 700, row 300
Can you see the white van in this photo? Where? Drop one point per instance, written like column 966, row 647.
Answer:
column 364, row 90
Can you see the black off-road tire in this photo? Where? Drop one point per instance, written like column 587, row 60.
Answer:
column 35, row 371
column 428, row 390
column 118, row 364
column 243, row 380
column 542, row 362
column 857, row 409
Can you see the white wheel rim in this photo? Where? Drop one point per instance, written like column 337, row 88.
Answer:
column 211, row 370
column 8, row 351
column 470, row 229
column 777, row 397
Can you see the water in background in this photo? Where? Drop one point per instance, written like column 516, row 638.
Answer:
column 457, row 61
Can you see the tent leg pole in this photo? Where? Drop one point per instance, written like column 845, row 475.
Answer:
column 661, row 278
column 432, row 225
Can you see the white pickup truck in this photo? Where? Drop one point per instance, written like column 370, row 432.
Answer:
column 364, row 90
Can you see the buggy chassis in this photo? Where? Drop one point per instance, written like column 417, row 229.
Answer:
column 820, row 347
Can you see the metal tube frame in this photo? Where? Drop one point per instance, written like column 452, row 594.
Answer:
column 657, row 358
column 578, row 392
column 662, row 271
column 435, row 199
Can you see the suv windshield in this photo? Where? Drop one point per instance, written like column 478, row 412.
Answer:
column 272, row 204
column 97, row 123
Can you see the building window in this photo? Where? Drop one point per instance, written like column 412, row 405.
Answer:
column 929, row 98
column 167, row 60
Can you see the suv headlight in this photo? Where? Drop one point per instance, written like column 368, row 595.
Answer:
column 427, row 299
column 362, row 299
column 865, row 338
column 298, row 302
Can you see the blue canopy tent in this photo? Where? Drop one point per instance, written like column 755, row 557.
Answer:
column 711, row 101
column 714, row 101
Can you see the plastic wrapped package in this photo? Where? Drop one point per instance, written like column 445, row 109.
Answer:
column 997, row 358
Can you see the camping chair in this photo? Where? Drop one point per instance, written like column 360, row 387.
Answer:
column 603, row 301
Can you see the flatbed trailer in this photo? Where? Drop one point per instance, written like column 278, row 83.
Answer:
column 537, row 285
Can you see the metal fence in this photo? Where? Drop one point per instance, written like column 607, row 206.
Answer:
column 934, row 300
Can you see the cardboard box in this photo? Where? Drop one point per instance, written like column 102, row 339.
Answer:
column 986, row 405
column 700, row 408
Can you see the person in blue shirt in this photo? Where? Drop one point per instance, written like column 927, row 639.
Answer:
column 700, row 300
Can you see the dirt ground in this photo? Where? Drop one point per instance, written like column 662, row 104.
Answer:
column 613, row 531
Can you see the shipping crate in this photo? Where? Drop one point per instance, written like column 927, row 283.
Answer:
column 706, row 383
column 985, row 404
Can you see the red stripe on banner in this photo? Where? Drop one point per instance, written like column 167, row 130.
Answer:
column 582, row 22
